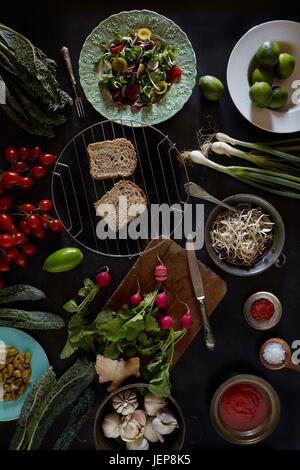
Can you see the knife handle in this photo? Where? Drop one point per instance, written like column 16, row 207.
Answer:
column 207, row 331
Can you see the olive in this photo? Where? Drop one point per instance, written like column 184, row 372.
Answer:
column 27, row 357
column 9, row 359
column 1, row 377
column 10, row 369
column 17, row 373
column 9, row 380
column 6, row 396
column 2, row 365
column 6, row 388
column 18, row 382
column 14, row 396
column 22, row 389
column 26, row 375
column 12, row 352
column 17, row 360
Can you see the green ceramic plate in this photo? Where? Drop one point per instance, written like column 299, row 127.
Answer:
column 160, row 26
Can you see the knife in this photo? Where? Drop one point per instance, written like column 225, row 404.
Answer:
column 199, row 291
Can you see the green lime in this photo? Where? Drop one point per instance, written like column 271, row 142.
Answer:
column 262, row 74
column 261, row 94
column 268, row 54
column 279, row 97
column 211, row 87
column 285, row 66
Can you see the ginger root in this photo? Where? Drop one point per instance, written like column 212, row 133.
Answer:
column 116, row 370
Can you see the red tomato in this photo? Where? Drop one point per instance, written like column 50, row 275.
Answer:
column 45, row 205
column 44, row 220
column 29, row 249
column 1, row 283
column 35, row 152
column 26, row 182
column 6, row 202
column 132, row 91
column 6, row 222
column 28, row 207
column 38, row 171
column 23, row 152
column 7, row 241
column 11, row 155
column 3, row 265
column 14, row 229
column 24, row 227
column 2, row 189
column 55, row 225
column 33, row 222
column 20, row 166
column 11, row 254
column 116, row 49
column 21, row 260
column 38, row 232
column 174, row 74
column 20, row 238
column 10, row 179
column 47, row 159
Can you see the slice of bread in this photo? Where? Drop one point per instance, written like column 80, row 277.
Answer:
column 112, row 159
column 123, row 196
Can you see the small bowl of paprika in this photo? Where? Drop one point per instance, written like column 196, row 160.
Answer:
column 262, row 310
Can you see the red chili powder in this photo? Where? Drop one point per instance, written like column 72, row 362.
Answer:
column 262, row 309
column 243, row 407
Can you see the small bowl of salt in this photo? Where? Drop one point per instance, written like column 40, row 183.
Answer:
column 276, row 354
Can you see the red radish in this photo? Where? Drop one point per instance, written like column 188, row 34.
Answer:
column 166, row 322
column 161, row 300
column 160, row 273
column 187, row 319
column 1, row 283
column 135, row 299
column 103, row 278
column 11, row 155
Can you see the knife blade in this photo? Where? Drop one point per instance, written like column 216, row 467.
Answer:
column 199, row 291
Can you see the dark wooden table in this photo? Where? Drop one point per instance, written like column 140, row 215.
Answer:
column 213, row 28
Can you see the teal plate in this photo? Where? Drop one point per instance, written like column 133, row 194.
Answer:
column 160, row 26
column 39, row 363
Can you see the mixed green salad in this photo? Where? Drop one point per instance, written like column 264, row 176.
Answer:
column 138, row 68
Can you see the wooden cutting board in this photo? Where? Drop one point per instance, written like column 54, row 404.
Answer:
column 178, row 287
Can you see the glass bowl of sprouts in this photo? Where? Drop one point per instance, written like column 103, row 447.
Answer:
column 248, row 239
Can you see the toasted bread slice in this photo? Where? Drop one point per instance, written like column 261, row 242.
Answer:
column 112, row 159
column 122, row 192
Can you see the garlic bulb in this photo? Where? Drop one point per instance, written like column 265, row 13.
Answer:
column 111, row 425
column 154, row 404
column 133, row 426
column 139, row 444
column 125, row 402
column 150, row 433
column 165, row 422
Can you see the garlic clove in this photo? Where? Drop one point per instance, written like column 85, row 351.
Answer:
column 133, row 426
column 139, row 444
column 154, row 404
column 125, row 402
column 165, row 422
column 150, row 433
column 111, row 425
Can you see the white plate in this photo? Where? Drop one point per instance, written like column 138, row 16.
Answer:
column 287, row 34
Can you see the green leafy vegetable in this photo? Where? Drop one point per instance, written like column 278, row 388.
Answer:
column 33, row 93
column 20, row 292
column 84, row 406
column 46, row 401
column 35, row 320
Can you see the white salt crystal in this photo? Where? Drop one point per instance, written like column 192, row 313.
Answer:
column 274, row 353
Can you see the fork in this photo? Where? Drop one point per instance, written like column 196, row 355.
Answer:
column 78, row 101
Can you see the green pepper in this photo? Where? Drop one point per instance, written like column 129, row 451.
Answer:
column 63, row 260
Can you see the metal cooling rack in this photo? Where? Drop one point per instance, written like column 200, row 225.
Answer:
column 159, row 174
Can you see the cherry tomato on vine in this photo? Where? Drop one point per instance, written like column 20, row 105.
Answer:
column 45, row 220
column 24, row 227
column 7, row 241
column 55, row 225
column 11, row 155
column 38, row 232
column 28, row 207
column 116, row 49
column 38, row 171
column 10, row 179
column 6, row 202
column 29, row 249
column 11, row 254
column 3, row 265
column 20, row 166
column 47, row 159
column 35, row 152
column 6, row 222
column 2, row 189
column 23, row 152
column 21, row 260
column 45, row 205
column 14, row 229
column 20, row 238
column 33, row 222
column 26, row 182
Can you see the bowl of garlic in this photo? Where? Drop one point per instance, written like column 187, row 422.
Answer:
column 133, row 418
